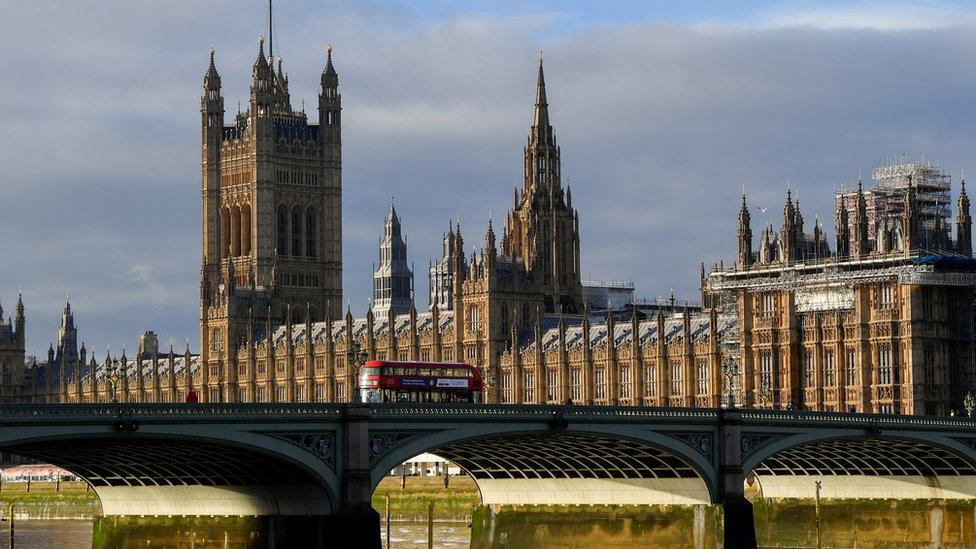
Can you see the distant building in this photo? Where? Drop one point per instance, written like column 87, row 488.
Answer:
column 12, row 355
column 882, row 324
column 393, row 278
column 607, row 294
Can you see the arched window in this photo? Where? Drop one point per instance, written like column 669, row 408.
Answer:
column 225, row 232
column 282, row 231
column 246, row 229
column 235, row 232
column 310, row 233
column 296, row 232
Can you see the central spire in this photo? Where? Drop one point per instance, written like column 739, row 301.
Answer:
column 540, row 119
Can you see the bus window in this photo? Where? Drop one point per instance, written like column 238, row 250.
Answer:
column 370, row 371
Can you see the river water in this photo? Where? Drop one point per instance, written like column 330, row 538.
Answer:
column 790, row 523
column 77, row 534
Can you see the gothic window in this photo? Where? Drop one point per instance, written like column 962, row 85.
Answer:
column 506, row 385
column 235, row 231
column 246, row 230
column 528, row 388
column 310, row 233
column 225, row 232
column 296, row 232
column 807, row 368
column 675, row 378
column 577, row 385
column 551, row 385
column 830, row 378
column 300, row 393
column 262, row 395
column 281, row 394
column 7, row 376
column 703, row 378
column 282, row 231
column 475, row 318
column 928, row 364
column 341, row 391
column 650, row 381
column 625, row 382
column 600, row 383
column 766, row 370
column 319, row 392
column 884, row 365
column 886, row 297
column 242, row 394
column 215, row 341
column 851, row 367
column 768, row 303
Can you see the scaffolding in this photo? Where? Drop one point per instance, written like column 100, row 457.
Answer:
column 885, row 199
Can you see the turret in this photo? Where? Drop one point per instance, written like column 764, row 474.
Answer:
column 20, row 321
column 262, row 84
column 843, row 230
column 964, row 223
column 860, row 247
column 745, row 235
column 789, row 232
column 330, row 105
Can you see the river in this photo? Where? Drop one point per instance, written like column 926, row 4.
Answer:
column 77, row 534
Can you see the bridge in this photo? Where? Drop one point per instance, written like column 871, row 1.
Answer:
column 325, row 460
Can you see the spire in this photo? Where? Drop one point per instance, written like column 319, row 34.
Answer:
column 540, row 118
column 964, row 222
column 329, row 76
column 270, row 29
column 262, row 70
column 211, row 80
column 745, row 234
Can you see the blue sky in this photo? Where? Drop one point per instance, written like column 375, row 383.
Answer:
column 664, row 110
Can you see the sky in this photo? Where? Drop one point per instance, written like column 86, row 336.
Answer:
column 664, row 111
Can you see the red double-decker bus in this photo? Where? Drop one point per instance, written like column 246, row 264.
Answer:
column 390, row 381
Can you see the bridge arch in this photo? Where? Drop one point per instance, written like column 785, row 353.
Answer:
column 859, row 465
column 175, row 473
column 579, row 464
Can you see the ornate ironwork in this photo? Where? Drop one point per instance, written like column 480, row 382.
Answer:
column 382, row 443
column 750, row 442
column 322, row 445
column 699, row 441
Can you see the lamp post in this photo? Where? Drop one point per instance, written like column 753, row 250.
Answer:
column 110, row 373
column 731, row 371
column 356, row 356
column 969, row 403
column 487, row 381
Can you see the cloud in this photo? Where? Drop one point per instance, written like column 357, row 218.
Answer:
column 660, row 125
column 881, row 16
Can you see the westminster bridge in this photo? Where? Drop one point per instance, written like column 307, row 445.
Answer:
column 325, row 460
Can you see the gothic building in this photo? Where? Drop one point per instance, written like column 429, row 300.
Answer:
column 393, row 279
column 12, row 355
column 883, row 323
column 272, row 213
column 878, row 320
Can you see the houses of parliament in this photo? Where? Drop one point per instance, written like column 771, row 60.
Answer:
column 878, row 319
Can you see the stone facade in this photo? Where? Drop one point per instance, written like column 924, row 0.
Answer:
column 881, row 323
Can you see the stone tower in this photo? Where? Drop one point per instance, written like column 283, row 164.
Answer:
column 272, row 214
column 67, row 344
column 12, row 354
column 393, row 279
column 543, row 228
